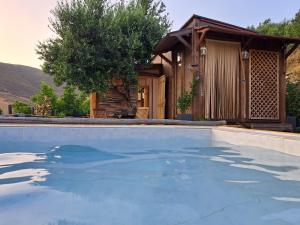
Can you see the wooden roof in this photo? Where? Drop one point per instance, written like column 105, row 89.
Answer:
column 216, row 24
column 210, row 25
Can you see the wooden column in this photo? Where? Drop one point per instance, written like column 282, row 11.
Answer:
column 93, row 105
column 174, row 86
column 201, row 89
column 282, row 86
column 243, row 89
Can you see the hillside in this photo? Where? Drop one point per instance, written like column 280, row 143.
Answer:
column 293, row 66
column 19, row 82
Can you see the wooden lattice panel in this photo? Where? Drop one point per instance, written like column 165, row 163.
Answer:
column 263, row 87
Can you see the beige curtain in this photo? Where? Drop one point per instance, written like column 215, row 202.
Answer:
column 222, row 80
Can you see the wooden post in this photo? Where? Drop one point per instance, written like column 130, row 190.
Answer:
column 93, row 105
column 282, row 86
column 174, row 84
column 243, row 90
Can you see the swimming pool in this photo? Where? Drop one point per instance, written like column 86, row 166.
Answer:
column 142, row 175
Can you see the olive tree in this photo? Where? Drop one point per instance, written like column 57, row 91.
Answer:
column 96, row 42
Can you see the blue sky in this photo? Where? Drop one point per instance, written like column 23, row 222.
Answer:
column 24, row 22
column 238, row 12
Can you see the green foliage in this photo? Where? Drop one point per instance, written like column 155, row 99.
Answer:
column 45, row 94
column 293, row 99
column 271, row 28
column 20, row 107
column 96, row 42
column 185, row 100
column 72, row 103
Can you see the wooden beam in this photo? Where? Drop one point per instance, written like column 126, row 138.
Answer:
column 165, row 58
column 183, row 41
column 291, row 51
column 203, row 34
column 152, row 58
column 247, row 43
column 181, row 32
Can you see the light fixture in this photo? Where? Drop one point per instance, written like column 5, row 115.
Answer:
column 245, row 55
column 203, row 51
column 179, row 58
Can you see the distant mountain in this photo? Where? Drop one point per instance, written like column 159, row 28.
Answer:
column 19, row 82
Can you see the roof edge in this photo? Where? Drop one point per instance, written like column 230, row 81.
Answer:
column 214, row 21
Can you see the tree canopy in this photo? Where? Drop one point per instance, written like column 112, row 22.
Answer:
column 95, row 42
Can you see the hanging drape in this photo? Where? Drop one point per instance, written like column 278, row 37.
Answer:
column 222, row 71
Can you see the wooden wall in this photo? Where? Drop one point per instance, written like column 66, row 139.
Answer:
column 168, row 70
column 199, row 100
column 113, row 104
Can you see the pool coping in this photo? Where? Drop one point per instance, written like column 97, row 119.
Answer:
column 89, row 121
column 288, row 143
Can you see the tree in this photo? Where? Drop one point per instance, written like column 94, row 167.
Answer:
column 21, row 107
column 96, row 42
column 45, row 100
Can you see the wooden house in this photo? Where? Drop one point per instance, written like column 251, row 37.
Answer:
column 240, row 73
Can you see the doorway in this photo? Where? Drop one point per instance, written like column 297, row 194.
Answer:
column 151, row 97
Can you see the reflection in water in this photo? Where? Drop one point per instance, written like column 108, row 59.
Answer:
column 20, row 168
column 80, row 185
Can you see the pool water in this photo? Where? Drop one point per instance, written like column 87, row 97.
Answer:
column 160, row 176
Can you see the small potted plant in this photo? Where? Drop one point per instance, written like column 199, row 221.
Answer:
column 184, row 103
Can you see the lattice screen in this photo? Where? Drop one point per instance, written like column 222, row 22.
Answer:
column 263, row 88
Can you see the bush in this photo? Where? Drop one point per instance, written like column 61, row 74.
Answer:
column 293, row 99
column 72, row 103
column 20, row 107
column 184, row 102
column 45, row 100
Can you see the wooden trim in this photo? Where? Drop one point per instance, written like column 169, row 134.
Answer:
column 282, row 86
column 153, row 57
column 165, row 58
column 247, row 43
column 291, row 51
column 93, row 104
column 203, row 34
column 180, row 32
column 250, row 87
column 183, row 41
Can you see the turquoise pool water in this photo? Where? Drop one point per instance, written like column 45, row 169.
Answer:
column 142, row 176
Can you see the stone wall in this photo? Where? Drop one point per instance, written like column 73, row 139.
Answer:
column 115, row 103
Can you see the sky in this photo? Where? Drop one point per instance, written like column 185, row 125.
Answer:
column 25, row 22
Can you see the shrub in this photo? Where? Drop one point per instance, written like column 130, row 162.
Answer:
column 72, row 103
column 45, row 100
column 20, row 107
column 184, row 102
column 293, row 99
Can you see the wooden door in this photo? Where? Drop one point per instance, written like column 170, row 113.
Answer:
column 161, row 98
